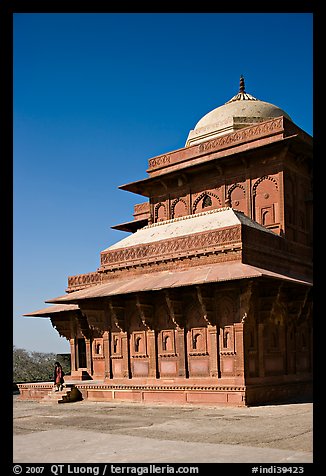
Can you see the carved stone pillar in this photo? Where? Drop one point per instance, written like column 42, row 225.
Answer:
column 126, row 371
column 239, row 349
column 107, row 354
column 146, row 314
column 118, row 320
column 152, row 353
column 261, row 364
column 181, row 350
column 175, row 310
column 73, row 354
column 213, row 351
column 206, row 302
column 89, row 362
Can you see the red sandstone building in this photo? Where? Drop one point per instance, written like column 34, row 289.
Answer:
column 208, row 299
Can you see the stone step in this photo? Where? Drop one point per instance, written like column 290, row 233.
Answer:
column 66, row 395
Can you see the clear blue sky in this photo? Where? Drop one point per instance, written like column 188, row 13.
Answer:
column 96, row 96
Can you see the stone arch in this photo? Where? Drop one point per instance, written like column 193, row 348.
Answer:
column 137, row 343
column 266, row 201
column 160, row 212
column 115, row 346
column 179, row 208
column 197, row 341
column 262, row 179
column 236, row 196
column 226, row 338
column 215, row 202
column 167, row 343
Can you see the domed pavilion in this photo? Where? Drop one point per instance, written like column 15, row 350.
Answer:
column 208, row 298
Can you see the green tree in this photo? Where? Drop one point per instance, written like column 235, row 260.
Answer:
column 32, row 366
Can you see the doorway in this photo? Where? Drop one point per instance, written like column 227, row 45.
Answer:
column 81, row 353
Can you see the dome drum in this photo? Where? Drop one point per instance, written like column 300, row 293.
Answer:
column 242, row 110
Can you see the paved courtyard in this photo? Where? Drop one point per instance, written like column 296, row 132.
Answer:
column 91, row 432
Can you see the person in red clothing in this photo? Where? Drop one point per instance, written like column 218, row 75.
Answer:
column 58, row 376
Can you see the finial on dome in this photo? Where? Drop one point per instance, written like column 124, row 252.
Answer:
column 242, row 84
column 242, row 95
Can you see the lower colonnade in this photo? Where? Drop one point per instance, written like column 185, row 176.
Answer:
column 237, row 343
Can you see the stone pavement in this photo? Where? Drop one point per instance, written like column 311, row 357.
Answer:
column 93, row 432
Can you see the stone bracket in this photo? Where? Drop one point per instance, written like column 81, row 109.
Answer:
column 206, row 305
column 175, row 309
column 118, row 315
column 145, row 312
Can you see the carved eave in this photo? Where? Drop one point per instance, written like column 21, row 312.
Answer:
column 97, row 315
column 141, row 187
column 66, row 319
column 61, row 310
column 131, row 226
column 66, row 323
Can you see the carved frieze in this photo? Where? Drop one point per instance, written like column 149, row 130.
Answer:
column 159, row 161
column 249, row 133
column 83, row 280
column 185, row 245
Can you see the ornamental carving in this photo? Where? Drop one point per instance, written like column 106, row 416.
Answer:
column 145, row 312
column 84, row 279
column 206, row 306
column 179, row 208
column 158, row 161
column 160, row 212
column 260, row 180
column 244, row 135
column 63, row 327
column 118, row 315
column 233, row 187
column 196, row 244
column 96, row 320
column 174, row 306
column 202, row 196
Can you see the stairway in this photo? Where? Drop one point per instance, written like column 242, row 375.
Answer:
column 69, row 393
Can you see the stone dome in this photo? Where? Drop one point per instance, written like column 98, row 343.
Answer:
column 242, row 110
